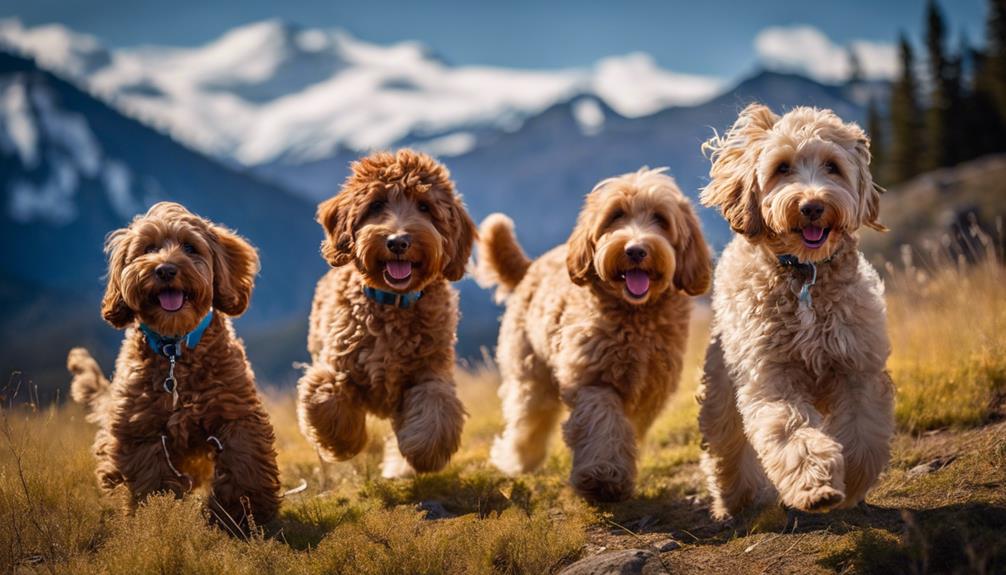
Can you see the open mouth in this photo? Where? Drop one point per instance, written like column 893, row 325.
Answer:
column 397, row 273
column 637, row 283
column 171, row 299
column 814, row 237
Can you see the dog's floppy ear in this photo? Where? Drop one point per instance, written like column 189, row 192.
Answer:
column 869, row 191
column 694, row 269
column 733, row 185
column 461, row 240
column 580, row 246
column 235, row 264
column 113, row 305
column 337, row 221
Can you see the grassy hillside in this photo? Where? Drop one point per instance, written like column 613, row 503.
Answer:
column 941, row 506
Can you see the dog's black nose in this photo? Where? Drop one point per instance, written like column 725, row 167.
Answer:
column 398, row 243
column 812, row 210
column 636, row 253
column 166, row 272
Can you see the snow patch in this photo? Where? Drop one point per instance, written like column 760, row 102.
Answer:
column 589, row 115
column 806, row 50
column 450, row 145
column 634, row 85
column 17, row 129
column 118, row 181
column 51, row 200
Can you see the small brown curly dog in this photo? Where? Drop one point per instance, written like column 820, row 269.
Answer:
column 382, row 328
column 599, row 324
column 180, row 277
column 795, row 399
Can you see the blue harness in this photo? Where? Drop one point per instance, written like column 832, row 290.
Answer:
column 171, row 348
column 399, row 300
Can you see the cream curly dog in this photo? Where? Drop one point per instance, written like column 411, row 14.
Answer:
column 598, row 324
column 382, row 327
column 795, row 398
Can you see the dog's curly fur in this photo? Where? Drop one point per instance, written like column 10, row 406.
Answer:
column 368, row 357
column 217, row 396
column 573, row 333
column 795, row 398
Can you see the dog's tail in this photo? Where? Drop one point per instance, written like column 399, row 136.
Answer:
column 501, row 261
column 89, row 387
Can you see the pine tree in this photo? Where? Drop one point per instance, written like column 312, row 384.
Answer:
column 996, row 52
column 905, row 130
column 938, row 128
column 987, row 100
column 878, row 145
column 855, row 67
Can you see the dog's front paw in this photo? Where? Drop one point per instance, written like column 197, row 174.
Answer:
column 816, row 500
column 603, row 482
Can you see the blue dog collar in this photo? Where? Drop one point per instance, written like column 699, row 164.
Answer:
column 399, row 300
column 168, row 345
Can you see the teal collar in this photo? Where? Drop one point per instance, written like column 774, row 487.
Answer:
column 168, row 345
column 399, row 300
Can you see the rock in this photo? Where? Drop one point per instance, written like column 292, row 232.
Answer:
column 930, row 466
column 625, row 562
column 666, row 545
column 434, row 510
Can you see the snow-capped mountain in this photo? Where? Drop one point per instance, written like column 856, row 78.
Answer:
column 275, row 92
column 71, row 170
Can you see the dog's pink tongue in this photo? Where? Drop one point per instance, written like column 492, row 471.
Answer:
column 637, row 282
column 171, row 300
column 399, row 270
column 812, row 233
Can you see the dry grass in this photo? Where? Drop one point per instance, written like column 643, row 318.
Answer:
column 949, row 364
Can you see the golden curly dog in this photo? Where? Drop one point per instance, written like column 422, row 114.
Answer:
column 795, row 399
column 598, row 324
column 181, row 278
column 383, row 322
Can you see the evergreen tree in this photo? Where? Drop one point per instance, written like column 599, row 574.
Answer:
column 878, row 146
column 855, row 67
column 939, row 128
column 905, row 129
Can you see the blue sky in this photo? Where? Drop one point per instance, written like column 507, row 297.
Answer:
column 705, row 36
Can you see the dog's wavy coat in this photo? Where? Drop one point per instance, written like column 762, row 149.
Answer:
column 598, row 324
column 795, row 398
column 396, row 232
column 168, row 271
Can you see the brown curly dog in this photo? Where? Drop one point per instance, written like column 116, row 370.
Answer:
column 795, row 399
column 383, row 322
column 598, row 324
column 182, row 410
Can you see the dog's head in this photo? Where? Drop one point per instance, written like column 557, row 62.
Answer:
column 800, row 183
column 636, row 237
column 399, row 220
column 169, row 266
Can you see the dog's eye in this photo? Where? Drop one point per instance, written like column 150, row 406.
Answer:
column 661, row 221
column 615, row 216
column 375, row 206
column 424, row 207
column 150, row 249
column 782, row 168
column 189, row 248
column 831, row 167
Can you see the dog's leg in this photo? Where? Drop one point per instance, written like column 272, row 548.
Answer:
column 805, row 464
column 862, row 420
column 330, row 414
column 428, row 425
column 531, row 409
column 145, row 467
column 603, row 443
column 246, row 478
column 733, row 472
column 393, row 464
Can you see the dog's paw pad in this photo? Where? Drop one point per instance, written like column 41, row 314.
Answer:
column 819, row 500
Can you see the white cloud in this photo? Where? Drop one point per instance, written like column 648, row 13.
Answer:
column 807, row 50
